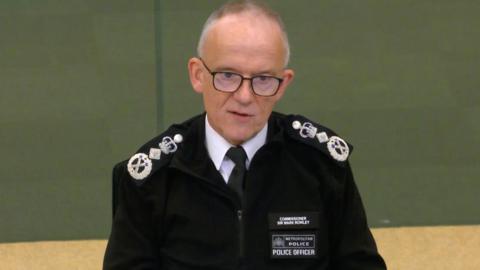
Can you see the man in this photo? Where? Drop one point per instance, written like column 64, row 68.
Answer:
column 241, row 187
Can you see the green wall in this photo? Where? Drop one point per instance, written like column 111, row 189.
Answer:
column 77, row 94
column 83, row 83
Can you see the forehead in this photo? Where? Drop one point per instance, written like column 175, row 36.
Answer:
column 246, row 38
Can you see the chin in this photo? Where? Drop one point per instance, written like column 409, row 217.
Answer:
column 240, row 137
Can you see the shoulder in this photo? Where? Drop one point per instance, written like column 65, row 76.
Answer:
column 158, row 152
column 316, row 136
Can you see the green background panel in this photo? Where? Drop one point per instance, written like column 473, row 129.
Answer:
column 77, row 82
column 84, row 83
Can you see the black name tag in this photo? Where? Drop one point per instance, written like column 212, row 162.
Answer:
column 293, row 235
column 286, row 221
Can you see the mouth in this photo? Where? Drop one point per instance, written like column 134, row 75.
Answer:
column 241, row 114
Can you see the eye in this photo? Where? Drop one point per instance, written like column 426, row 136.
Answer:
column 227, row 75
column 264, row 80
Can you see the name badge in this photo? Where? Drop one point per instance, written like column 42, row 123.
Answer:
column 286, row 221
column 293, row 235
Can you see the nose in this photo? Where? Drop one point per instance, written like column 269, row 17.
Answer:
column 244, row 94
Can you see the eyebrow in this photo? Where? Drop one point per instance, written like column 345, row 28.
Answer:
column 232, row 70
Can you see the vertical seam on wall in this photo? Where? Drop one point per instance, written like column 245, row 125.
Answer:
column 158, row 64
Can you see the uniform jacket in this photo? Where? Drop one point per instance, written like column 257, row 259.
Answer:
column 301, row 208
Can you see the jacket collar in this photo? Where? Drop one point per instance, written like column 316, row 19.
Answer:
column 192, row 157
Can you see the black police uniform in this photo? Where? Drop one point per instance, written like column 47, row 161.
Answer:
column 301, row 208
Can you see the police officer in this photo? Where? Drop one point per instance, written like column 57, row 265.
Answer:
column 240, row 186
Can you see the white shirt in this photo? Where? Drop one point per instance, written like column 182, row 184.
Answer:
column 217, row 147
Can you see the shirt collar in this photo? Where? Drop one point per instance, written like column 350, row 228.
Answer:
column 217, row 146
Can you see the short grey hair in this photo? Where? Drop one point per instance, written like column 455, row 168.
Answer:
column 241, row 6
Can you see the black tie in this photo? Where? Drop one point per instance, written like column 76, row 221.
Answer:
column 237, row 177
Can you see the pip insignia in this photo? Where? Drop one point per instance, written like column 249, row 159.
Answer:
column 155, row 153
column 322, row 137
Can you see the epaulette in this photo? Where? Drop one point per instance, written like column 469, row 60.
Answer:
column 319, row 137
column 155, row 154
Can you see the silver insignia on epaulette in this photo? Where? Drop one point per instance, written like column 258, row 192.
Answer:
column 308, row 130
column 178, row 138
column 155, row 153
column 139, row 166
column 296, row 124
column 322, row 137
column 338, row 148
column 168, row 145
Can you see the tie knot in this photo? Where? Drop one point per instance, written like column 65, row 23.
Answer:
column 237, row 155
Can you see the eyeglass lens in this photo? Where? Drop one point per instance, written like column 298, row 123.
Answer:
column 262, row 85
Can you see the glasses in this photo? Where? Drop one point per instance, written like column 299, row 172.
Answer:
column 262, row 85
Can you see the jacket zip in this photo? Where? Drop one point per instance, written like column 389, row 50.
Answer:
column 239, row 213
column 240, row 235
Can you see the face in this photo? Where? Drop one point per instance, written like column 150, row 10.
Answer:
column 249, row 45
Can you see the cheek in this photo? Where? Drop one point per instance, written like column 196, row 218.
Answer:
column 266, row 106
column 213, row 100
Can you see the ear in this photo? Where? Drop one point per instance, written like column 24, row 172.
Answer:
column 287, row 76
column 195, row 72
